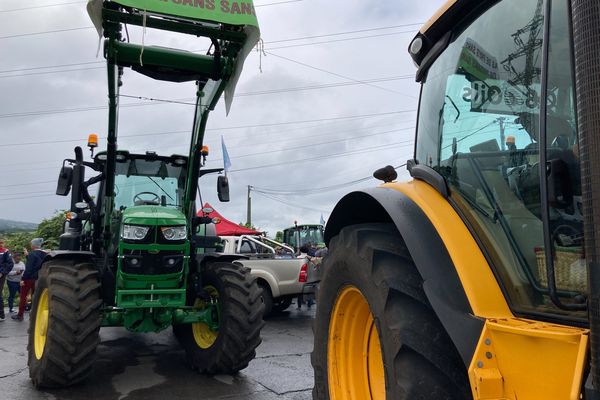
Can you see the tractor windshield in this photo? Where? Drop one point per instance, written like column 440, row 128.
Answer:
column 304, row 235
column 480, row 128
column 149, row 182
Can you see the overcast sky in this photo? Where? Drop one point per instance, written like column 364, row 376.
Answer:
column 366, row 75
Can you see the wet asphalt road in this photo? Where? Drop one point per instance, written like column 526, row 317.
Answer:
column 152, row 366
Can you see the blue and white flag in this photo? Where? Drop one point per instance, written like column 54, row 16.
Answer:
column 226, row 160
column 322, row 220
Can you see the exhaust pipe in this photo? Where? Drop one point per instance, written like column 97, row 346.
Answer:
column 586, row 42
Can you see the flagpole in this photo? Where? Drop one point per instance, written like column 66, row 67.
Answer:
column 249, row 209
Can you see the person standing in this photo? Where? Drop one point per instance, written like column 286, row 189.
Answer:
column 13, row 280
column 34, row 262
column 303, row 254
column 6, row 264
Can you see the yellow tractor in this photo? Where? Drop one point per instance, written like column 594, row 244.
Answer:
column 480, row 277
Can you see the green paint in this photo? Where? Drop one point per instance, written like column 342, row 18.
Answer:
column 232, row 12
column 157, row 319
column 153, row 216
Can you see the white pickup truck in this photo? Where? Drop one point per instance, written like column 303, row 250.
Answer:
column 279, row 273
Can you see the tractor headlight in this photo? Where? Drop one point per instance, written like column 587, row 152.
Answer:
column 174, row 232
column 134, row 232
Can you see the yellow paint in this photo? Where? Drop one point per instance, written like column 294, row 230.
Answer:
column 488, row 383
column 515, row 358
column 41, row 325
column 355, row 368
column 203, row 335
column 478, row 281
column 527, row 360
column 442, row 10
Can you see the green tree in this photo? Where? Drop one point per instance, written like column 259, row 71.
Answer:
column 279, row 236
column 50, row 229
column 19, row 240
column 249, row 226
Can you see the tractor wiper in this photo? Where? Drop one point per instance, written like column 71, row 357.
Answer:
column 160, row 187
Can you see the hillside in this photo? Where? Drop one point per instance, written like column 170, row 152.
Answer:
column 8, row 226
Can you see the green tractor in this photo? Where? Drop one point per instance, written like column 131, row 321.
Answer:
column 136, row 255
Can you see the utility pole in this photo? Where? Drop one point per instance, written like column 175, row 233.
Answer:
column 502, row 138
column 249, row 210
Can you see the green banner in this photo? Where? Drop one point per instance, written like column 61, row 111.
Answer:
column 232, row 12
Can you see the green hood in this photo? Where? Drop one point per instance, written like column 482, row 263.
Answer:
column 153, row 215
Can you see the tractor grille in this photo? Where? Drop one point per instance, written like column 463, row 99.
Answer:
column 141, row 262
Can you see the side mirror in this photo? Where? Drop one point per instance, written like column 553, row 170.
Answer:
column 65, row 179
column 223, row 188
column 200, row 221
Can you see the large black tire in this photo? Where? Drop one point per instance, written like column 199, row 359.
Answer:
column 72, row 291
column 420, row 360
column 267, row 298
column 241, row 319
column 281, row 304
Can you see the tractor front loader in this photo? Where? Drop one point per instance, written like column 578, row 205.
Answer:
column 480, row 277
column 132, row 256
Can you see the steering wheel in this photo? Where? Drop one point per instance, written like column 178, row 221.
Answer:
column 137, row 200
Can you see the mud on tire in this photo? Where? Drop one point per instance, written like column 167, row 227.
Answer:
column 420, row 360
column 241, row 319
column 72, row 333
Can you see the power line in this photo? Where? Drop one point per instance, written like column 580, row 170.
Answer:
column 277, row 3
column 80, row 2
column 303, row 138
column 336, row 74
column 66, row 110
column 344, row 33
column 46, row 32
column 307, row 191
column 280, row 90
column 325, row 86
column 167, row 101
column 152, row 102
column 28, row 197
column 44, row 6
column 293, row 204
column 51, row 72
column 349, row 117
column 267, row 43
column 51, row 66
column 317, row 144
column 336, row 40
column 155, row 101
column 175, row 132
column 315, row 190
column 334, row 155
column 30, row 183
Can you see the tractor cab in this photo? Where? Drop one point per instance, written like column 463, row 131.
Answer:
column 148, row 180
column 503, row 138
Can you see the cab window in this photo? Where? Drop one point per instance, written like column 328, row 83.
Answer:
column 479, row 127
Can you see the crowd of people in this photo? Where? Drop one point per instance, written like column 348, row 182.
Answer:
column 19, row 276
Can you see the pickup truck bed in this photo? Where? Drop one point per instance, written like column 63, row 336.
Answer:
column 281, row 276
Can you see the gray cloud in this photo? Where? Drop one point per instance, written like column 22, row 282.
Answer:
column 364, row 59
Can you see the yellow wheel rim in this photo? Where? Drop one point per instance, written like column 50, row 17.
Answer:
column 354, row 361
column 203, row 335
column 41, row 325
